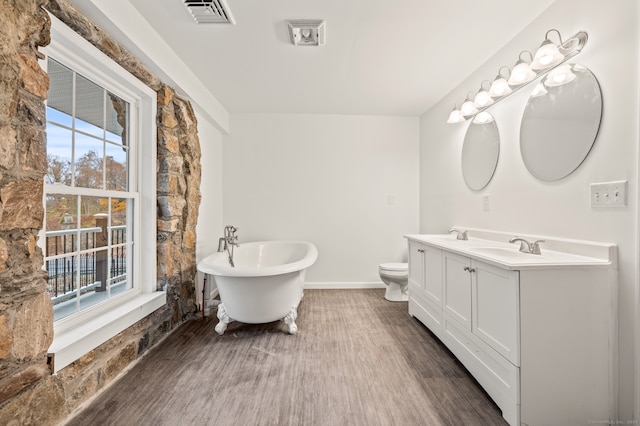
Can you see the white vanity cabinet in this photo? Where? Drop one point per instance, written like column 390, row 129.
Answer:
column 484, row 300
column 537, row 333
column 496, row 308
column 457, row 289
column 425, row 285
column 481, row 324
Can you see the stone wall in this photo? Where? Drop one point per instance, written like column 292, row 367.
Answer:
column 29, row 393
column 26, row 315
column 179, row 174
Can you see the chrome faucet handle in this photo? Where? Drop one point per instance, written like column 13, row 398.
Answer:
column 230, row 231
column 525, row 246
column 230, row 235
column 535, row 247
column 460, row 234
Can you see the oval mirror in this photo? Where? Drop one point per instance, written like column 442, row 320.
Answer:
column 560, row 122
column 480, row 151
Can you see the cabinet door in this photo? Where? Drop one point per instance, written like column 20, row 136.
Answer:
column 496, row 308
column 433, row 274
column 416, row 265
column 457, row 288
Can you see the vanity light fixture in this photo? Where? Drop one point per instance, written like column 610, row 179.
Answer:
column 548, row 54
column 546, row 59
column 500, row 86
column 455, row 116
column 468, row 108
column 522, row 72
column 483, row 98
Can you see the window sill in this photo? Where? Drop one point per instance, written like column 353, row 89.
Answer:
column 69, row 345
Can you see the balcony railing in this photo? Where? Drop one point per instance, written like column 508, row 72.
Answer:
column 88, row 272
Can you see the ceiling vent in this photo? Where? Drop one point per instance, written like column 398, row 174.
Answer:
column 210, row 11
column 306, row 32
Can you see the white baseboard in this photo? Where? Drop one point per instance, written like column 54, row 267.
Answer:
column 342, row 285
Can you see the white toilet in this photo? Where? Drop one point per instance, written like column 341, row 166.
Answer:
column 396, row 277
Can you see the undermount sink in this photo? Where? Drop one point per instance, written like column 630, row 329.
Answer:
column 500, row 251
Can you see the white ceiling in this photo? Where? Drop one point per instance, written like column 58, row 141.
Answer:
column 396, row 57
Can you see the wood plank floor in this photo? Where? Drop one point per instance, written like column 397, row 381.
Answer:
column 357, row 359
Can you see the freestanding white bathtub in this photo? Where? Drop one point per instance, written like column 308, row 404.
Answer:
column 266, row 283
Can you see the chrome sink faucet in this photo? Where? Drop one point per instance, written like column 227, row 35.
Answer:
column 526, row 246
column 460, row 234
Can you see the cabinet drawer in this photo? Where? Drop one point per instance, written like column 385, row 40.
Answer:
column 496, row 374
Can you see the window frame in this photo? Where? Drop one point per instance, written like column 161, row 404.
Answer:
column 73, row 190
column 82, row 332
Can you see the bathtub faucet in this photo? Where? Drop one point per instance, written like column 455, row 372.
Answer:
column 227, row 242
column 230, row 235
column 222, row 245
column 230, row 238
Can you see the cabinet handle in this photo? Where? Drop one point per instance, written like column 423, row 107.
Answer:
column 472, row 270
column 420, row 251
column 466, row 268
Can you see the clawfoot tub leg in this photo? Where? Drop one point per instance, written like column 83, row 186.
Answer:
column 290, row 320
column 224, row 319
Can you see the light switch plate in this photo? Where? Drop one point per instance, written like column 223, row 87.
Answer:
column 608, row 194
column 486, row 202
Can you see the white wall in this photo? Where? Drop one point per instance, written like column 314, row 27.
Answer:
column 210, row 214
column 327, row 179
column 521, row 203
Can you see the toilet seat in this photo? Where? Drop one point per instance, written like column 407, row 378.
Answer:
column 394, row 267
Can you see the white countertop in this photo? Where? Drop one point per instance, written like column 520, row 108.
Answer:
column 507, row 255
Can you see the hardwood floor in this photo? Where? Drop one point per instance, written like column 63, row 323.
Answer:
column 357, row 359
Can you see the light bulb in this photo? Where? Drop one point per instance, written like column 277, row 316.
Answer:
column 482, row 99
column 499, row 87
column 305, row 33
column 547, row 56
column 521, row 74
column 455, row 116
column 468, row 108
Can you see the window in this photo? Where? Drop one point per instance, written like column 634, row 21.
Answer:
column 100, row 184
column 89, row 202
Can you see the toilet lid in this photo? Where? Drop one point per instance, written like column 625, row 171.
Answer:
column 394, row 266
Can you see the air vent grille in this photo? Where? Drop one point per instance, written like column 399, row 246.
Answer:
column 210, row 11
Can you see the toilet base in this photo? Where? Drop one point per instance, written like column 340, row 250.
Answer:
column 396, row 293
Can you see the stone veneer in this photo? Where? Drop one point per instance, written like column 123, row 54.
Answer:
column 29, row 393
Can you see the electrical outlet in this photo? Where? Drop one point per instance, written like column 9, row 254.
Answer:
column 608, row 194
